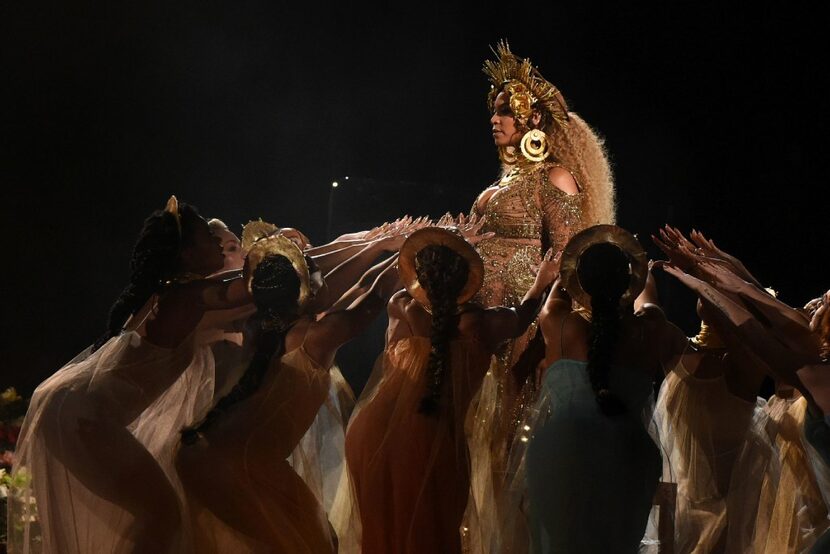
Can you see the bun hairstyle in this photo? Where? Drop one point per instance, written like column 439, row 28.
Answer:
column 604, row 273
column 155, row 260
column 275, row 287
column 442, row 273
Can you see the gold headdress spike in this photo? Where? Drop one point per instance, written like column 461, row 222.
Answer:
column 256, row 230
column 525, row 84
column 274, row 245
column 172, row 207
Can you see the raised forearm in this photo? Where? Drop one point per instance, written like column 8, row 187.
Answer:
column 363, row 285
column 349, row 272
column 328, row 261
column 527, row 310
column 333, row 246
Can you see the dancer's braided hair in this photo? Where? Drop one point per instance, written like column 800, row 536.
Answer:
column 442, row 273
column 275, row 286
column 603, row 272
column 155, row 259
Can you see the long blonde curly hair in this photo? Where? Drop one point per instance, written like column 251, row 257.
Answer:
column 579, row 148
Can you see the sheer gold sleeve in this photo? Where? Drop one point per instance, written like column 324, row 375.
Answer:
column 561, row 213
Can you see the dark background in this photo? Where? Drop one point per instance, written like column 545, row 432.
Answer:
column 713, row 118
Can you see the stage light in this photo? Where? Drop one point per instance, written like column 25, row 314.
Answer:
column 347, row 177
column 334, row 184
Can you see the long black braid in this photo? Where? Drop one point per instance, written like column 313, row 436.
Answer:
column 275, row 287
column 604, row 274
column 155, row 259
column 443, row 274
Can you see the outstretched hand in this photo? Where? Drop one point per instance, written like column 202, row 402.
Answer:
column 709, row 249
column 675, row 249
column 548, row 270
column 471, row 229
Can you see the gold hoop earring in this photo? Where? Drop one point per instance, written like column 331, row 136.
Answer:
column 507, row 154
column 534, row 146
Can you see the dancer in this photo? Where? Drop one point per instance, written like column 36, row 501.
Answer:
column 704, row 412
column 785, row 510
column 406, row 448
column 245, row 496
column 99, row 480
column 591, row 466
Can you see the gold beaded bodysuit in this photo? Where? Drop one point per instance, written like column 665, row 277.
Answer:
column 528, row 215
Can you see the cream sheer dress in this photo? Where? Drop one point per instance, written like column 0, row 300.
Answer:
column 96, row 449
column 702, row 428
column 244, row 493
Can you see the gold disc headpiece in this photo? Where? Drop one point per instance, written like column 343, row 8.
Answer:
column 254, row 231
column 599, row 234
column 453, row 240
column 277, row 245
column 524, row 83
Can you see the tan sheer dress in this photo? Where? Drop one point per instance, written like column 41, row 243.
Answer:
column 244, row 494
column 702, row 427
column 409, row 470
column 780, row 509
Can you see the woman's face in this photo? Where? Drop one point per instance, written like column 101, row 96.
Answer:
column 503, row 122
column 204, row 255
column 231, row 250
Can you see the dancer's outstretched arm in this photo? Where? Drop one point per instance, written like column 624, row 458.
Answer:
column 502, row 323
column 338, row 327
column 649, row 295
column 361, row 287
column 340, row 279
column 741, row 331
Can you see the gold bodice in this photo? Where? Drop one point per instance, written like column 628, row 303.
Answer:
column 528, row 214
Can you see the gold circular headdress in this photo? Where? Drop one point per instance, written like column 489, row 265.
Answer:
column 254, row 231
column 525, row 85
column 444, row 237
column 277, row 245
column 599, row 234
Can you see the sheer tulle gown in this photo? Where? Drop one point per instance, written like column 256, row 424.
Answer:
column 410, row 470
column 245, row 496
column 97, row 447
column 590, row 478
column 703, row 427
column 783, row 508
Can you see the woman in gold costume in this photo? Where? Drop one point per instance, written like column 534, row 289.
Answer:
column 555, row 181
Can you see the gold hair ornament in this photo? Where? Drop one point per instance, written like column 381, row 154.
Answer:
column 278, row 245
column 172, row 207
column 254, row 231
column 519, row 78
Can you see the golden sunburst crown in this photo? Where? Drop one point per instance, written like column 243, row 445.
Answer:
column 524, row 82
